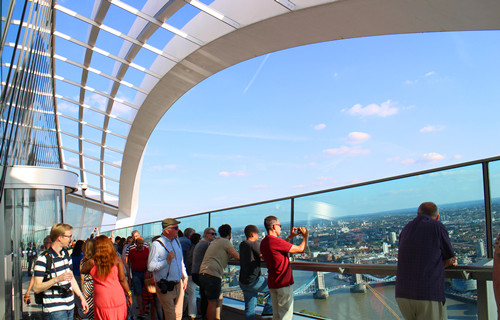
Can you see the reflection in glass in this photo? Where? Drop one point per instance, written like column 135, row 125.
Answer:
column 362, row 224
column 239, row 218
column 198, row 223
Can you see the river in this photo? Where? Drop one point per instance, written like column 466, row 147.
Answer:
column 380, row 304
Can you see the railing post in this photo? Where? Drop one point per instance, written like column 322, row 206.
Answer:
column 487, row 210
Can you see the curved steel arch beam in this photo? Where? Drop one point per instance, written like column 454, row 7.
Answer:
column 331, row 21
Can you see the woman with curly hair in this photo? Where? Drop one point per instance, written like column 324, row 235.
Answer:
column 106, row 269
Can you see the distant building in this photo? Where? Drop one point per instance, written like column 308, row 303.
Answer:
column 385, row 247
column 392, row 237
column 480, row 252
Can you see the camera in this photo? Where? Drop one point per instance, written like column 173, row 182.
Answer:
column 63, row 291
column 165, row 285
column 298, row 230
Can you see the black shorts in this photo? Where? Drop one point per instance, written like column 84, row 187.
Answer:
column 211, row 285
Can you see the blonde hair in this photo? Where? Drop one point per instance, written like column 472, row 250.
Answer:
column 58, row 230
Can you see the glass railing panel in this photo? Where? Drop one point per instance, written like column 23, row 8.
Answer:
column 149, row 230
column 494, row 168
column 349, row 296
column 198, row 222
column 362, row 224
column 239, row 218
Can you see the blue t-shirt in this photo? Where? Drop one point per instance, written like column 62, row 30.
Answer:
column 424, row 245
column 76, row 263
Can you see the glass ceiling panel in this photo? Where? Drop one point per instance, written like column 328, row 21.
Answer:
column 99, row 82
column 93, row 117
column 96, row 100
column 93, row 180
column 91, row 164
column 128, row 94
column 102, row 63
column 93, row 134
column 118, row 126
column 183, row 16
column 70, row 143
column 112, row 186
column 112, row 157
column 119, row 19
column 160, row 38
column 146, row 58
column 134, row 76
column 109, row 42
column 70, row 50
column 71, row 158
column 67, row 108
column 112, row 172
column 70, row 91
column 68, row 71
column 68, row 126
column 82, row 7
column 123, row 111
column 79, row 29
column 115, row 142
column 92, row 150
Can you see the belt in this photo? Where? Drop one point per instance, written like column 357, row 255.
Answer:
column 207, row 275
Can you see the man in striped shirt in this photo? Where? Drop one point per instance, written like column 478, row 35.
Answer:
column 58, row 302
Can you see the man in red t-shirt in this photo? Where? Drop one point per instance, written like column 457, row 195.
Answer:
column 137, row 260
column 280, row 278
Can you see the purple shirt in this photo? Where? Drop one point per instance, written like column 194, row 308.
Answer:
column 424, row 244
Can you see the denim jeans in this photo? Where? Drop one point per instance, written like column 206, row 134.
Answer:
column 59, row 315
column 250, row 292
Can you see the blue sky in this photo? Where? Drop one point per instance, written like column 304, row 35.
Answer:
column 323, row 116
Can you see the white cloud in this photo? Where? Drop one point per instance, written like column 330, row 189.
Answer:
column 431, row 73
column 385, row 109
column 431, row 129
column 407, row 161
column 394, row 159
column 343, row 150
column 163, row 167
column 320, row 126
column 325, row 178
column 431, row 157
column 410, row 82
column 357, row 137
column 238, row 173
column 66, row 107
column 458, row 156
column 260, row 187
column 118, row 163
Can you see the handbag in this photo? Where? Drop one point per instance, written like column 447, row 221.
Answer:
column 79, row 308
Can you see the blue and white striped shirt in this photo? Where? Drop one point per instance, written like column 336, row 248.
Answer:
column 53, row 300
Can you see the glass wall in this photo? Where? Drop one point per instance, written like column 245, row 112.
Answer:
column 361, row 225
column 28, row 217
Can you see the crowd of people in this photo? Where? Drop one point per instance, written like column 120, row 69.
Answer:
column 101, row 277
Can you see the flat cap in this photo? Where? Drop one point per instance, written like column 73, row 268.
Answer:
column 168, row 222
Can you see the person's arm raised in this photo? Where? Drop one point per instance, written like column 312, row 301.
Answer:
column 302, row 246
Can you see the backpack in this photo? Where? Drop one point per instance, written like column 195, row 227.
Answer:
column 47, row 276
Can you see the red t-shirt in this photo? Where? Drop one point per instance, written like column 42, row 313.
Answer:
column 275, row 253
column 138, row 259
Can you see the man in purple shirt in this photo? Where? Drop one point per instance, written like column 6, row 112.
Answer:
column 424, row 251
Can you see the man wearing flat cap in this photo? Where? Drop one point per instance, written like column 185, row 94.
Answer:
column 167, row 264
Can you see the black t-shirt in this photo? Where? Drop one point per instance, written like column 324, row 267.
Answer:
column 249, row 261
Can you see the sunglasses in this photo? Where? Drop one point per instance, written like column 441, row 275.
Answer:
column 213, row 233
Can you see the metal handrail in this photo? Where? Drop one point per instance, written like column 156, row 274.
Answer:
column 476, row 272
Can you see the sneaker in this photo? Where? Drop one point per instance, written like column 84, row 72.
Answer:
column 266, row 316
